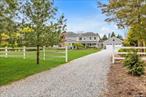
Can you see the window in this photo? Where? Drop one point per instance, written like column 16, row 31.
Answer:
column 94, row 38
column 90, row 38
column 80, row 38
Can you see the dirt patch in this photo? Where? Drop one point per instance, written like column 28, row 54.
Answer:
column 122, row 84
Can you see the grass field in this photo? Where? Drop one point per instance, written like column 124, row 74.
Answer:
column 15, row 68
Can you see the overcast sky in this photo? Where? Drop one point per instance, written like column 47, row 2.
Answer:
column 84, row 16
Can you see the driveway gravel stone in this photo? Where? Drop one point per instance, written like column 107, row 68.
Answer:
column 83, row 77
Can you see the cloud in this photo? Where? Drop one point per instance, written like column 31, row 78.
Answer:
column 92, row 24
column 86, row 17
column 105, row 31
column 84, row 24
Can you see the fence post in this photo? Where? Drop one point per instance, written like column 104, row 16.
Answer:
column 44, row 55
column 6, row 52
column 66, row 54
column 113, row 59
column 113, row 55
column 24, row 52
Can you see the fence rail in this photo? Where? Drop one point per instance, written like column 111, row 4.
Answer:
column 125, row 53
column 131, row 47
column 8, row 51
column 117, row 55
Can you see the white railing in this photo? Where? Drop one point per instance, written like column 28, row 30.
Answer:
column 6, row 52
column 117, row 55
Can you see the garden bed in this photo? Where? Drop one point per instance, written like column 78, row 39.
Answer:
column 122, row 84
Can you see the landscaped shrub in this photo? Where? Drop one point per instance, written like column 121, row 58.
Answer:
column 78, row 45
column 134, row 64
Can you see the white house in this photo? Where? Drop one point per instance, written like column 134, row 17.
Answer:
column 112, row 42
column 88, row 39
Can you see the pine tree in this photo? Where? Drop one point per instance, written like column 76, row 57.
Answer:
column 104, row 37
column 120, row 37
column 113, row 34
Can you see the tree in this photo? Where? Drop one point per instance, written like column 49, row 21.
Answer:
column 4, row 41
column 38, row 13
column 7, row 13
column 113, row 34
column 139, row 33
column 53, row 32
column 120, row 37
column 109, row 35
column 126, row 13
column 27, row 35
column 104, row 37
column 40, row 16
column 15, row 39
column 132, row 39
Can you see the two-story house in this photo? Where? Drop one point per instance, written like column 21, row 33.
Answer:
column 88, row 39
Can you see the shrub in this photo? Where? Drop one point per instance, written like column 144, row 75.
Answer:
column 134, row 64
column 78, row 46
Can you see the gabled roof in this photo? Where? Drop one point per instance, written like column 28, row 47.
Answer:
column 112, row 40
column 89, row 34
column 72, row 34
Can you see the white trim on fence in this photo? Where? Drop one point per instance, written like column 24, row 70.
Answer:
column 24, row 52
column 131, row 47
column 66, row 54
column 115, row 52
column 5, row 52
column 44, row 53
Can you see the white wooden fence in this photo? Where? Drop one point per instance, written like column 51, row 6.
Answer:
column 117, row 55
column 5, row 52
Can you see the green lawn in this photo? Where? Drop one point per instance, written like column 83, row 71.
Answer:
column 12, row 68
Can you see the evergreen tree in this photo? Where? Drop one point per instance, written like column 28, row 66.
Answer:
column 120, row 37
column 104, row 37
column 109, row 35
column 113, row 34
column 131, row 39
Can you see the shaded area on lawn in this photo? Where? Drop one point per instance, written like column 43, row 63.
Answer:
column 12, row 69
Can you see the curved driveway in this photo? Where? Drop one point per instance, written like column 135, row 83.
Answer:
column 83, row 77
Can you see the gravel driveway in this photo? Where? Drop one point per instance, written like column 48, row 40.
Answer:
column 83, row 77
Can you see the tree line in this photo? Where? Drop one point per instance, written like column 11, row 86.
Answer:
column 105, row 37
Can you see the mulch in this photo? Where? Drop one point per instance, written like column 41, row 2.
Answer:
column 122, row 84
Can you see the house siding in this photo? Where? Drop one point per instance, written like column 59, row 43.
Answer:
column 89, row 39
